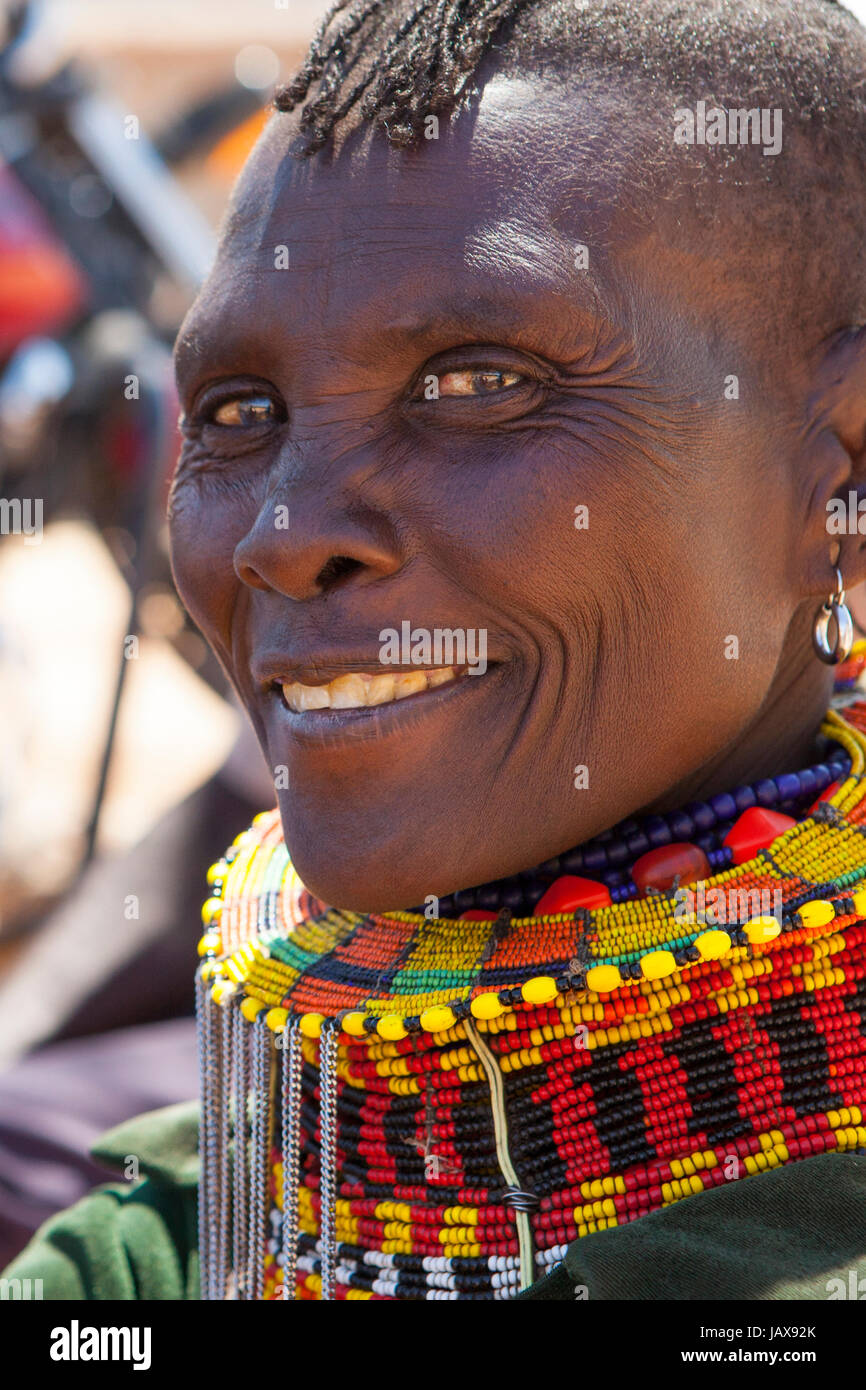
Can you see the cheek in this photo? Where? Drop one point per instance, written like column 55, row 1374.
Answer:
column 203, row 536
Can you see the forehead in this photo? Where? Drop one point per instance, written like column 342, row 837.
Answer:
column 527, row 154
column 499, row 201
column 365, row 251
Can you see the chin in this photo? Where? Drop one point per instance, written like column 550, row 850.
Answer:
column 352, row 888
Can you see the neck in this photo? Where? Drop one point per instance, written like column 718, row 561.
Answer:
column 781, row 737
column 779, row 762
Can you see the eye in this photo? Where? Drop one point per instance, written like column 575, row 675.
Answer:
column 477, row 383
column 242, row 412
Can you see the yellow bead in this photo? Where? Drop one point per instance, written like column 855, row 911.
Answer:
column 437, row 1019
column 601, row 979
column 760, row 929
column 311, row 1025
column 712, row 945
column 657, row 964
column 276, row 1019
column 540, row 990
column 486, row 1006
column 391, row 1026
column 251, row 1008
column 211, row 910
column 223, row 990
column 859, row 900
column 353, row 1024
column 816, row 913
column 209, row 944
column 216, row 872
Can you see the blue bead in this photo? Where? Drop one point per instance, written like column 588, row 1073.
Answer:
column 617, row 854
column 572, row 862
column 464, row 900
column 512, row 897
column 620, row 893
column 702, row 814
column 682, row 826
column 822, row 775
column 808, row 783
column 488, row 897
column 745, row 798
column 767, row 792
column 550, row 869
column 658, row 831
column 724, row 806
column 637, row 844
column 788, row 786
column 594, row 859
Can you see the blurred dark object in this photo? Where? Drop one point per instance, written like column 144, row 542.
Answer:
column 56, row 1103
column 199, row 130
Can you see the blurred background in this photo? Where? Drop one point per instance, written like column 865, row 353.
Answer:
column 125, row 768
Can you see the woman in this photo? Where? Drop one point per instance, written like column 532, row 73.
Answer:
column 509, row 501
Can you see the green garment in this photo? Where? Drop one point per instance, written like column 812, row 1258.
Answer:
column 785, row 1234
column 128, row 1240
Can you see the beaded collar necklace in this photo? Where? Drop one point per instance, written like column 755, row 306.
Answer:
column 408, row 1108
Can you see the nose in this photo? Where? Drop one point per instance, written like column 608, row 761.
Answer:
column 304, row 544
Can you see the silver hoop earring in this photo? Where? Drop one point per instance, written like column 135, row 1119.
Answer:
column 834, row 608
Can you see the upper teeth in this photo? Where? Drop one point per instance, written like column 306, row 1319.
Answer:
column 359, row 689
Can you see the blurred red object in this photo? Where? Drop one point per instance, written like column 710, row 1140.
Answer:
column 41, row 288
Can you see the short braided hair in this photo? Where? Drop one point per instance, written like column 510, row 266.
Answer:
column 400, row 61
column 421, row 64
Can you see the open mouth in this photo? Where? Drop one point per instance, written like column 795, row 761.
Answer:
column 362, row 690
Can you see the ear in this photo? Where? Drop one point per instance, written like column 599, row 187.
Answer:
column 836, row 460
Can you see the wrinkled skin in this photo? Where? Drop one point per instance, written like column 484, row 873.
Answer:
column 607, row 645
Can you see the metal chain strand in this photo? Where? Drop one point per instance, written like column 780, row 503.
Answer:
column 240, row 1089
column 328, row 1157
column 291, row 1068
column 258, row 1158
column 212, row 1148
column 203, row 1006
column 223, row 1214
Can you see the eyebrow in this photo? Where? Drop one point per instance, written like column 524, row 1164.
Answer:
column 492, row 307
column 498, row 312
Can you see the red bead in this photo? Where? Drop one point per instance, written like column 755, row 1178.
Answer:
column 755, row 829
column 476, row 914
column 659, row 867
column 570, row 892
column 825, row 796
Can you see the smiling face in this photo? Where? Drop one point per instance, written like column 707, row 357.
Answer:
column 410, row 397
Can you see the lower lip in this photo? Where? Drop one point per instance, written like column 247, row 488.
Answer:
column 374, row 721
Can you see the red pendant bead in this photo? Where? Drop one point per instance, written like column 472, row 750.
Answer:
column 755, row 829
column 659, row 868
column 477, row 914
column 825, row 796
column 570, row 892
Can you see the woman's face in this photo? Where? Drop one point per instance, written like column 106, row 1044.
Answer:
column 465, row 388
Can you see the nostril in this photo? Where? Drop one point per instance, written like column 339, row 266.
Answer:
column 337, row 568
